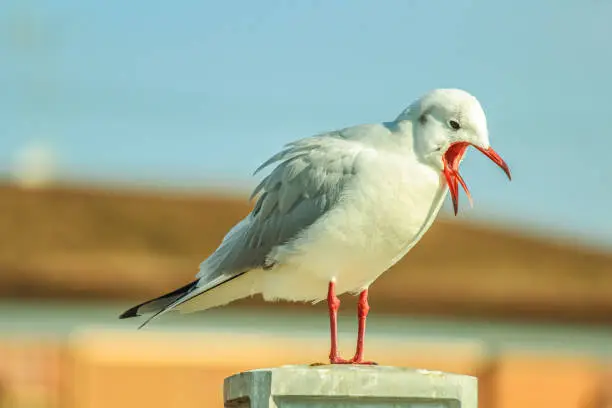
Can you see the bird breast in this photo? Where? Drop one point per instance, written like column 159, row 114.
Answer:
column 395, row 203
column 383, row 213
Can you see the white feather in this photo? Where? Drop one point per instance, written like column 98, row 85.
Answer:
column 342, row 206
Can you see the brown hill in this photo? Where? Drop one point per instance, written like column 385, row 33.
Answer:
column 81, row 243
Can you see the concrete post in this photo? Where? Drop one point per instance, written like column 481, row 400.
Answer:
column 347, row 386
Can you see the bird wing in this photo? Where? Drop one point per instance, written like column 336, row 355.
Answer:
column 307, row 182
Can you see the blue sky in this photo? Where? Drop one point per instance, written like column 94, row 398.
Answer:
column 196, row 91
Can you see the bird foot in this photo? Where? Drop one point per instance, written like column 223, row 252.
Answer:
column 338, row 360
column 344, row 362
column 364, row 362
column 354, row 360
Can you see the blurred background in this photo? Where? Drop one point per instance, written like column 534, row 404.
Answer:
column 128, row 135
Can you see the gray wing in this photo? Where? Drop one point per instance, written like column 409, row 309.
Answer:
column 308, row 181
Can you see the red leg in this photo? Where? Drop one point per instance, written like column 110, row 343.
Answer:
column 362, row 313
column 333, row 304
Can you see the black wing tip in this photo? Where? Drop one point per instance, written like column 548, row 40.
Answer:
column 133, row 312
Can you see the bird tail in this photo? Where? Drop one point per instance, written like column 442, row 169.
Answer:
column 189, row 298
column 159, row 303
column 236, row 287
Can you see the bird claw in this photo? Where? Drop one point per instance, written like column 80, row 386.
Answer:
column 364, row 363
column 354, row 361
column 339, row 360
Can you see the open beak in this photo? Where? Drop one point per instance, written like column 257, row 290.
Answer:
column 452, row 158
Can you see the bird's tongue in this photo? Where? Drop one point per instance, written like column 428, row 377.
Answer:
column 452, row 159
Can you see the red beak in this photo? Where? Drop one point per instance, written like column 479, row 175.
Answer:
column 452, row 159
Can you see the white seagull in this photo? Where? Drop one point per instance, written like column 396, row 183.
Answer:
column 338, row 210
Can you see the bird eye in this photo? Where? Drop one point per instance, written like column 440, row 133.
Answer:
column 454, row 124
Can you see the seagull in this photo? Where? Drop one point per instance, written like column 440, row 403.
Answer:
column 338, row 209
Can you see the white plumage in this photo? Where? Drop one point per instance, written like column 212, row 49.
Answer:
column 342, row 206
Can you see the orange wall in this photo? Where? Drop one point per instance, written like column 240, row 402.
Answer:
column 121, row 369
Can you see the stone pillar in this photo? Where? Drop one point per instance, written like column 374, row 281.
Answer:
column 348, row 386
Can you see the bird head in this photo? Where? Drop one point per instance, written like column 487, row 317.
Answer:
column 445, row 122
